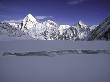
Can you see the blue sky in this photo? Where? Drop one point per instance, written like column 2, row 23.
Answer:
column 62, row 11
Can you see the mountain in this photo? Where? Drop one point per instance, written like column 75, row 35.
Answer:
column 78, row 31
column 81, row 24
column 50, row 30
column 32, row 28
column 82, row 30
column 101, row 32
column 68, row 34
column 8, row 32
column 28, row 22
column 62, row 28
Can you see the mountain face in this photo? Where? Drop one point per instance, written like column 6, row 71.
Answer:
column 50, row 30
column 78, row 31
column 82, row 30
column 101, row 32
column 28, row 22
column 8, row 32
column 31, row 28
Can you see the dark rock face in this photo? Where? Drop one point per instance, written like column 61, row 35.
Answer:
column 107, row 35
column 102, row 32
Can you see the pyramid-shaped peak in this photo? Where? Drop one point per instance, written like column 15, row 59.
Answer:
column 29, row 17
column 81, row 22
column 29, row 22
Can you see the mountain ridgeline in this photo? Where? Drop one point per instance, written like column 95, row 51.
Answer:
column 102, row 32
column 31, row 28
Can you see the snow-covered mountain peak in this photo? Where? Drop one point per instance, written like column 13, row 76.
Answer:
column 46, row 30
column 81, row 22
column 28, row 22
column 50, row 23
column 29, row 17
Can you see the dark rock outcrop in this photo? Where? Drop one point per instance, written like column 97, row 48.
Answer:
column 101, row 32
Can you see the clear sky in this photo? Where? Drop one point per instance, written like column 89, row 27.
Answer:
column 62, row 11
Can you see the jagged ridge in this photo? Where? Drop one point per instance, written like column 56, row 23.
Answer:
column 49, row 30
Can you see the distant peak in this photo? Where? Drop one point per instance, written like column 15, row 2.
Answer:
column 30, row 17
column 80, row 22
column 51, row 22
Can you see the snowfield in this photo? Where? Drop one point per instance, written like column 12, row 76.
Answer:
column 66, row 68
column 39, row 45
column 63, row 67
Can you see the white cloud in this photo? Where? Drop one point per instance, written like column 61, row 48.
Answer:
column 12, row 21
column 43, row 17
column 37, row 17
column 75, row 2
